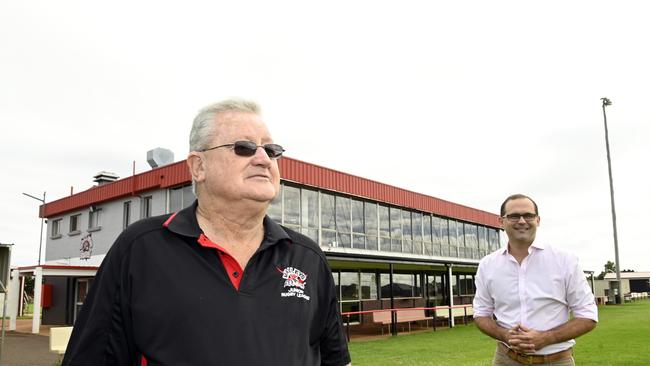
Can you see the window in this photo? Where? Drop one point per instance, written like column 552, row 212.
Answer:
column 343, row 222
column 395, row 229
column 309, row 213
column 56, row 229
column 275, row 208
column 384, row 228
column 292, row 207
column 368, row 286
column 370, row 216
column 180, row 197
column 74, row 224
column 146, row 206
column 417, row 232
column 126, row 214
column 407, row 243
column 328, row 220
column 93, row 218
column 358, row 227
column 404, row 285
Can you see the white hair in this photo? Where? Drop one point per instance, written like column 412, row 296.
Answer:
column 203, row 127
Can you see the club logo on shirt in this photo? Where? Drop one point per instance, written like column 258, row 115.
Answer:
column 294, row 283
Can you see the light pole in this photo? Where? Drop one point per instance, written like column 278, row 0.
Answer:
column 40, row 240
column 617, row 295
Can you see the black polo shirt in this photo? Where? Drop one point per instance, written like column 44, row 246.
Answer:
column 166, row 295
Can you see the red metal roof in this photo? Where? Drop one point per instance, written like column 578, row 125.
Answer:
column 290, row 170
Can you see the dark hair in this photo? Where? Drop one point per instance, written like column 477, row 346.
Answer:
column 516, row 197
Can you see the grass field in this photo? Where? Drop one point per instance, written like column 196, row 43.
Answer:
column 622, row 338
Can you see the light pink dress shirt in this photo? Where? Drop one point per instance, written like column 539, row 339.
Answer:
column 538, row 294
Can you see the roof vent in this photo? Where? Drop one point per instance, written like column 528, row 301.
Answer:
column 105, row 177
column 159, row 157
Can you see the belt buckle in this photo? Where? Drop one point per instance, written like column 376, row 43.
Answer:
column 529, row 360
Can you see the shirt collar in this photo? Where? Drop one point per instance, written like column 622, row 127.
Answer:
column 535, row 245
column 184, row 223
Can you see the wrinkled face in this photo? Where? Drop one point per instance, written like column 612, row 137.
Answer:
column 227, row 176
column 521, row 231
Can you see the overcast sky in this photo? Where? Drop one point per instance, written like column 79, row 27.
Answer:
column 465, row 101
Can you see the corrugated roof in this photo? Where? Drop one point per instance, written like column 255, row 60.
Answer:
column 292, row 170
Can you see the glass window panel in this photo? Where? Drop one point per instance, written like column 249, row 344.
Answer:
column 329, row 238
column 417, row 226
column 328, row 219
column 349, row 286
column 428, row 248
column 482, row 241
column 343, row 240
column 417, row 285
column 175, row 199
column 417, row 247
column 384, row 282
column 471, row 240
column 309, row 209
column 453, row 239
column 384, row 222
column 351, row 307
column 358, row 241
column 406, row 225
column 395, row 223
column 403, row 285
column 385, row 244
column 395, row 245
column 368, row 286
column 460, row 234
column 426, row 228
column 188, row 196
column 454, row 285
column 371, row 242
column 407, row 246
column 357, row 217
column 370, row 215
column 291, row 206
column 342, row 214
column 275, row 208
column 311, row 233
column 493, row 238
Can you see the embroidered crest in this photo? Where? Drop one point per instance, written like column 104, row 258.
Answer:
column 294, row 282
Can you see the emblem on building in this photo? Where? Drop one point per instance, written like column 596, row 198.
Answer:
column 86, row 247
column 294, row 283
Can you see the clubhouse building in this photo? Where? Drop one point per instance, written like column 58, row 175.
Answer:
column 385, row 245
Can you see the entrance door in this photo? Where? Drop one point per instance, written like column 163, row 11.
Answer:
column 82, row 286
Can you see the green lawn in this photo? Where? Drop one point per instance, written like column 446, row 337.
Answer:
column 622, row 338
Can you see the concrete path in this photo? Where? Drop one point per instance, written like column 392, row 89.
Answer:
column 22, row 348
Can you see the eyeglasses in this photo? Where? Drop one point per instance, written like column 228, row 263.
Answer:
column 528, row 217
column 249, row 148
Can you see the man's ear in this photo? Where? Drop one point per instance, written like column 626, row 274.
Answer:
column 501, row 221
column 196, row 166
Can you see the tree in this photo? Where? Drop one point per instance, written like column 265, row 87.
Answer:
column 610, row 267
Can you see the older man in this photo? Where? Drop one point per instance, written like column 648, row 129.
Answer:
column 530, row 289
column 217, row 283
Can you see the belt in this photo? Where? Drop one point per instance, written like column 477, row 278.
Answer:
column 535, row 359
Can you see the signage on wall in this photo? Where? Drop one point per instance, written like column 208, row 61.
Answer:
column 86, row 247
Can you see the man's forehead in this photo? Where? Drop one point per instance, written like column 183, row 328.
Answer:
column 520, row 204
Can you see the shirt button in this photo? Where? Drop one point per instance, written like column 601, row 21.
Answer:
column 235, row 274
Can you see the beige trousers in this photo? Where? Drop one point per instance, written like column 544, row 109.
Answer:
column 501, row 359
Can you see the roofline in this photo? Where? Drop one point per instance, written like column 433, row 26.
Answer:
column 291, row 170
column 53, row 266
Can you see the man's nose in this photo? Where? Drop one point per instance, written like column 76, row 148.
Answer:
column 261, row 157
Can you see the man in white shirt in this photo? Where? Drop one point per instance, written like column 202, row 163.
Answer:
column 525, row 292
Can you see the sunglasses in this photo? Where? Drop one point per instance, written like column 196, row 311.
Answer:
column 249, row 148
column 528, row 217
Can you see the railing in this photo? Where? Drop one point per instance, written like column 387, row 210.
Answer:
column 408, row 315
